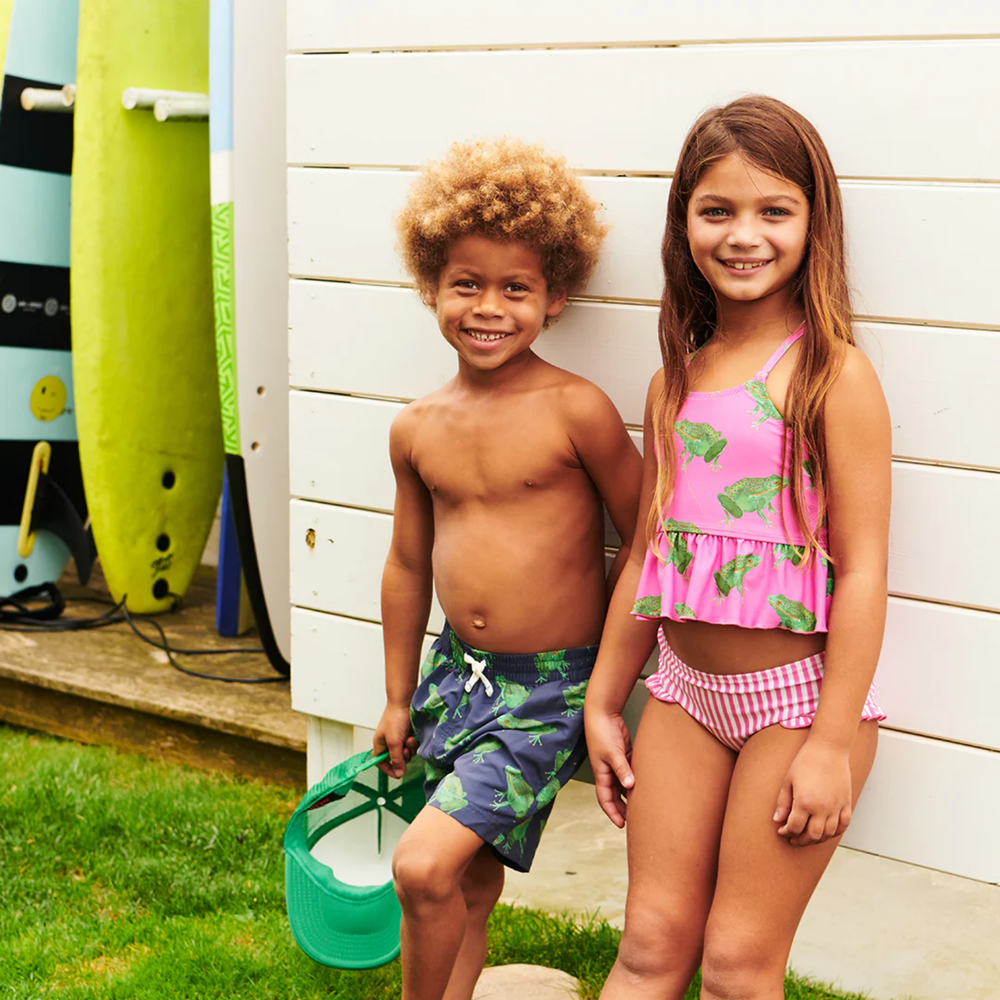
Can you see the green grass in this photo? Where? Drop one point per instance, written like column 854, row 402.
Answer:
column 123, row 878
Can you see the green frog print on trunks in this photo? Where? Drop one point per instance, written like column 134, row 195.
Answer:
column 480, row 750
column 518, row 795
column 512, row 695
column 454, row 740
column 764, row 408
column 514, row 839
column 547, row 662
column 449, row 796
column 792, row 614
column 433, row 660
column 732, row 573
column 701, row 441
column 532, row 728
column 573, row 696
column 747, row 496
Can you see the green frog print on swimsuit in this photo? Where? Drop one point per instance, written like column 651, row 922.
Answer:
column 574, row 696
column 648, row 606
column 514, row 839
column 545, row 663
column 764, row 408
column 792, row 553
column 793, row 614
column 673, row 540
column 683, row 611
column 748, row 496
column 731, row 575
column 433, row 660
column 481, row 749
column 701, row 441
column 512, row 695
column 518, row 795
column 449, row 796
column 532, row 728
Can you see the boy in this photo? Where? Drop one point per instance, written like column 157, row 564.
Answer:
column 500, row 476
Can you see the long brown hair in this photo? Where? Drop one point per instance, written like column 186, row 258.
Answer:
column 775, row 138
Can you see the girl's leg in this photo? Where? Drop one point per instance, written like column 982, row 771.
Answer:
column 763, row 883
column 674, row 820
column 481, row 888
column 428, row 867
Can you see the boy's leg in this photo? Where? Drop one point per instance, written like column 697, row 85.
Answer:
column 674, row 820
column 763, row 882
column 481, row 887
column 428, row 867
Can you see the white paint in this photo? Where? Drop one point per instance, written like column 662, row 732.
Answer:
column 628, row 110
column 392, row 24
column 338, row 567
column 931, row 803
column 940, row 383
column 351, row 684
column 341, row 226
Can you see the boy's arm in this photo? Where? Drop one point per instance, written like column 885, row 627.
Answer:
column 611, row 460
column 406, row 598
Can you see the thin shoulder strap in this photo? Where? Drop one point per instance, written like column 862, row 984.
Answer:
column 779, row 353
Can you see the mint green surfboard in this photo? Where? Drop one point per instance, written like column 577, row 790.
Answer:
column 141, row 283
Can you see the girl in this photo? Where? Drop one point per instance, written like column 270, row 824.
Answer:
column 767, row 464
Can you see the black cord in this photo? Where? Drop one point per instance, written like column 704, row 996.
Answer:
column 23, row 619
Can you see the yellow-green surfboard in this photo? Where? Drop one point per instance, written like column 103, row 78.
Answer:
column 141, row 299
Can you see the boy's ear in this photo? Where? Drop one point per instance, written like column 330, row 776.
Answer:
column 557, row 302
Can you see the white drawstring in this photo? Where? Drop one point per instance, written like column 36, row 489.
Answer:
column 478, row 666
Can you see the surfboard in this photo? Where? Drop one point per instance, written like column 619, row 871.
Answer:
column 37, row 397
column 250, row 271
column 144, row 359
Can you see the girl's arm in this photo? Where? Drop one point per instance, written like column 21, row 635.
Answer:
column 406, row 599
column 625, row 647
column 815, row 802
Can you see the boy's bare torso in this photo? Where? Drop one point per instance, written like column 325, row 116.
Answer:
column 518, row 556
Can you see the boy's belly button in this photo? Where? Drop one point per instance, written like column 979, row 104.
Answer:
column 478, row 622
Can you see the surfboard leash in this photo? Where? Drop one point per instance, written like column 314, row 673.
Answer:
column 18, row 613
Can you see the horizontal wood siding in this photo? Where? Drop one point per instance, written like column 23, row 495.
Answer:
column 887, row 117
column 341, row 226
column 318, row 25
column 903, row 95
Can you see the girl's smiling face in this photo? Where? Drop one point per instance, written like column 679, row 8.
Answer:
column 747, row 230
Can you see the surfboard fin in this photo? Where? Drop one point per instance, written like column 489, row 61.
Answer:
column 53, row 511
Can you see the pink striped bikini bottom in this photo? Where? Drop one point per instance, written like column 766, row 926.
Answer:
column 732, row 707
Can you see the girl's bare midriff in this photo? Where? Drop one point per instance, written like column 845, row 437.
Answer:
column 730, row 649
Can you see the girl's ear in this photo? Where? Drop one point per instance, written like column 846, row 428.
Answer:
column 429, row 297
column 557, row 302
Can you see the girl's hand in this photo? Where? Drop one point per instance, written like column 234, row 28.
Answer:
column 814, row 804
column 395, row 734
column 610, row 747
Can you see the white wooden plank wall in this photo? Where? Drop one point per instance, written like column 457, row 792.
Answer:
column 899, row 91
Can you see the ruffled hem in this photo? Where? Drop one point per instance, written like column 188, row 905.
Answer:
column 734, row 581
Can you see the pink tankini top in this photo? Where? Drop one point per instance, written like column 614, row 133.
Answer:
column 732, row 552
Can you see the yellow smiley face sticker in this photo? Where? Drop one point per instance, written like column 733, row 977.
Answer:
column 48, row 398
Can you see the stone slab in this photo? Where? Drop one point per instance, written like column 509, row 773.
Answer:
column 526, row 982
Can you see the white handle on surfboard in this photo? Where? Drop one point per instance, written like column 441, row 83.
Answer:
column 143, row 98
column 43, row 99
column 176, row 110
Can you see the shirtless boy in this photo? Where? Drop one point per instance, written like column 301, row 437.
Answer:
column 500, row 478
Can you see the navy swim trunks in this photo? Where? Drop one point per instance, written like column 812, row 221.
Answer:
column 500, row 734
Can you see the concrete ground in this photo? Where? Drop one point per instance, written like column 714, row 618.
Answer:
column 892, row 930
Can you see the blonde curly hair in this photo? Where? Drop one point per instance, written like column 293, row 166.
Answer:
column 506, row 190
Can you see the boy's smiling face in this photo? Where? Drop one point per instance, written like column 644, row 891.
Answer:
column 492, row 300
